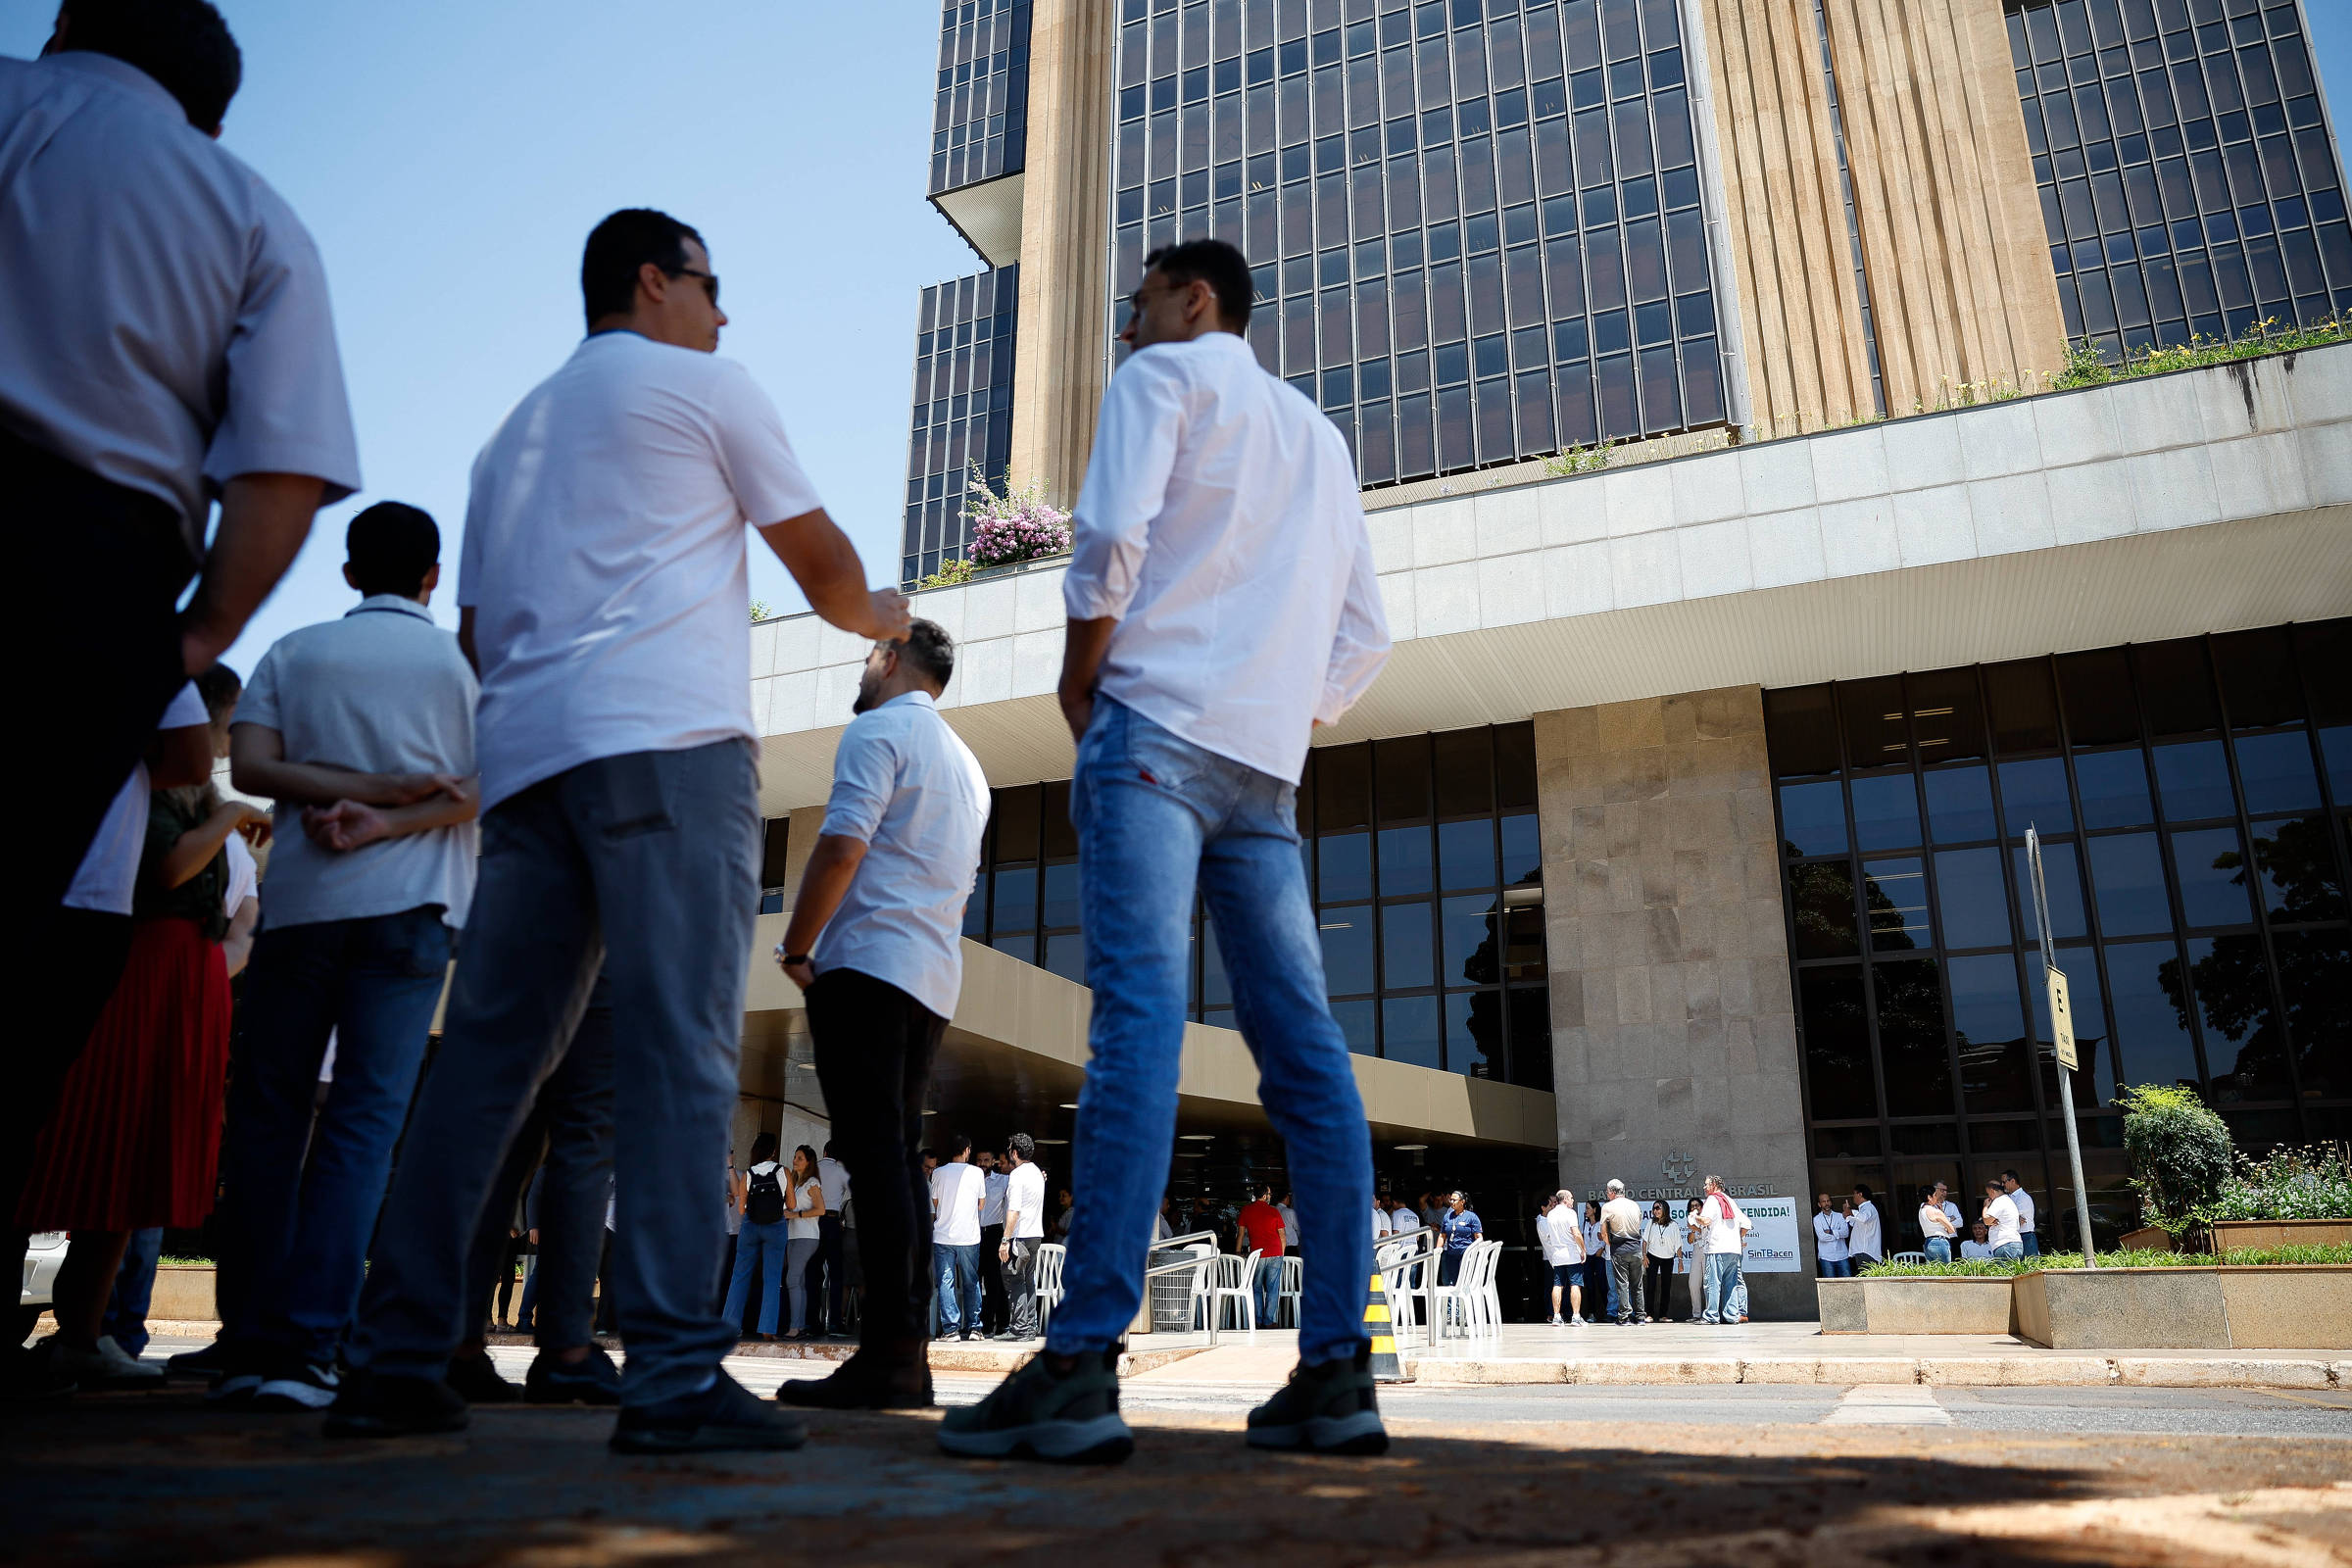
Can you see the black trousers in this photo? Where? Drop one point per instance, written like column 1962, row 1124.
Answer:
column 994, row 1308
column 874, row 1048
column 1657, row 1286
column 832, row 1265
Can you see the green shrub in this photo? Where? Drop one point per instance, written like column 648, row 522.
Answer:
column 2313, row 1183
column 2002, row 1267
column 2179, row 1153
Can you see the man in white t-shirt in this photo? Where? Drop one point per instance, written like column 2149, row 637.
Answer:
column 1404, row 1219
column 2015, row 1189
column 1723, row 1244
column 1024, row 1234
column 2001, row 1222
column 1382, row 1225
column 1561, row 1230
column 958, row 1191
column 601, row 590
column 1866, row 1246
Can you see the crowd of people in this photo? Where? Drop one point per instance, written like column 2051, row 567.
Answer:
column 572, row 783
column 1614, row 1261
column 1849, row 1233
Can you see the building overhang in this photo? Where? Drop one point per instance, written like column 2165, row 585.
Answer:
column 2206, row 501
column 1016, row 1055
column 988, row 216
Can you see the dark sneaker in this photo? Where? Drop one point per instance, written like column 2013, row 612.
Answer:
column 380, row 1407
column 863, row 1383
column 1329, row 1408
column 31, row 1375
column 209, row 1363
column 239, row 1372
column 1041, row 1414
column 723, row 1418
column 302, row 1385
column 478, row 1381
column 552, row 1381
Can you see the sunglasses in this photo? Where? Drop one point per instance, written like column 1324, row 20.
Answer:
column 710, row 281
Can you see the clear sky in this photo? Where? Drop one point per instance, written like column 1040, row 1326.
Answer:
column 451, row 158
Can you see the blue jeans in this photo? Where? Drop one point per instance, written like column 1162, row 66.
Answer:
column 134, row 1289
column 959, row 1271
column 2009, row 1249
column 1158, row 817
column 302, row 1200
column 1939, row 1250
column 1834, row 1268
column 1268, row 1285
column 668, row 845
column 1724, row 1289
column 759, row 1250
column 2031, row 1241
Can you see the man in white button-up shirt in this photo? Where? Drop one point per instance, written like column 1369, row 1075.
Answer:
column 886, row 886
column 1221, row 603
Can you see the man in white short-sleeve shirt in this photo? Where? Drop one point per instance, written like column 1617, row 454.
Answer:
column 876, row 941
column 2027, row 1240
column 602, row 597
column 1723, row 1245
column 2001, row 1222
column 1024, row 1234
column 958, row 1190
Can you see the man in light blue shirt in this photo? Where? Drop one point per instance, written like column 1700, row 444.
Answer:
column 361, row 730
column 886, row 886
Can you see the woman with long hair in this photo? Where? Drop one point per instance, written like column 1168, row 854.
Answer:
column 135, row 1139
column 1661, row 1244
column 804, row 1207
column 760, row 1245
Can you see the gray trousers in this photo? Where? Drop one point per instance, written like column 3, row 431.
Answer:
column 1625, row 1264
column 668, row 844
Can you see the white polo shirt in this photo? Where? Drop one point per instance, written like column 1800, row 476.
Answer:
column 384, row 690
column 909, row 788
column 1221, row 526
column 604, row 558
column 955, row 1190
column 166, row 324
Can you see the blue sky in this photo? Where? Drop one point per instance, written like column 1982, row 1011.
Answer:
column 450, row 157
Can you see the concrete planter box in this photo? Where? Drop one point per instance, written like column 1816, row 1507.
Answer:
column 1917, row 1304
column 2281, row 1307
column 184, row 1294
column 2229, row 1235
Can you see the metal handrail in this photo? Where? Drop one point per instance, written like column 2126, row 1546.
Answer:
column 1434, row 1245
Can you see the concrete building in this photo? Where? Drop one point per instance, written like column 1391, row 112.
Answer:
column 1683, row 833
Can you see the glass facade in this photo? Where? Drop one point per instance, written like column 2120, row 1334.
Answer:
column 1474, row 225
column 963, row 410
column 2189, row 182
column 1427, row 871
column 2194, row 800
column 980, row 124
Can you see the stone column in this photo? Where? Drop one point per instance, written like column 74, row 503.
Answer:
column 1674, row 1035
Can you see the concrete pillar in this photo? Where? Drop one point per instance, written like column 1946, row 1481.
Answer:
column 1674, row 1036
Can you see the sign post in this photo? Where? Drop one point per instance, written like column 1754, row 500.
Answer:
column 2062, row 1035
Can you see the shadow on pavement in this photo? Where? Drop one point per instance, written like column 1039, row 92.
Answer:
column 156, row 1479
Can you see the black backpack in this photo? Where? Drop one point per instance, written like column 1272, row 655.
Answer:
column 765, row 1203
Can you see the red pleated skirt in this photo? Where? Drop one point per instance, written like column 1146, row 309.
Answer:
column 136, row 1138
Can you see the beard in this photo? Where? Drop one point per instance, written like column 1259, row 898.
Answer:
column 870, row 695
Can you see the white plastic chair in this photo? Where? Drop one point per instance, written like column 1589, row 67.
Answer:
column 1490, row 1301
column 1048, row 1291
column 1231, row 1286
column 1471, row 1299
column 1294, row 1286
column 1403, row 1279
column 1909, row 1257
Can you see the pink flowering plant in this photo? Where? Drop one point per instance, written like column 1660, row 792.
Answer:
column 1014, row 526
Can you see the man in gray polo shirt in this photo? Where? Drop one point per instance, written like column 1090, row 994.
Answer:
column 886, row 886
column 361, row 730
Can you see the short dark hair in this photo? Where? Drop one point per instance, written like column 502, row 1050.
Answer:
column 183, row 44
column 391, row 546
column 1023, row 1145
column 955, row 1144
column 930, row 650
column 220, row 687
column 1223, row 268
column 1862, row 1191
column 2012, row 1175
column 764, row 1147
column 621, row 244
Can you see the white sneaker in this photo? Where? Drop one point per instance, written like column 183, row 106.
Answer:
column 1556, row 1320
column 108, row 1366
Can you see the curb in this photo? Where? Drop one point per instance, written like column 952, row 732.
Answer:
column 2079, row 1371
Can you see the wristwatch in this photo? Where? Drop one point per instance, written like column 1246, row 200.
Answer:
column 791, row 959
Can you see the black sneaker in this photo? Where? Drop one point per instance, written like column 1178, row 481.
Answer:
column 1329, row 1408
column 723, row 1418
column 393, row 1406
column 28, row 1376
column 863, row 1383
column 239, row 1372
column 478, row 1381
column 1041, row 1414
column 209, row 1363
column 297, row 1386
column 552, row 1381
